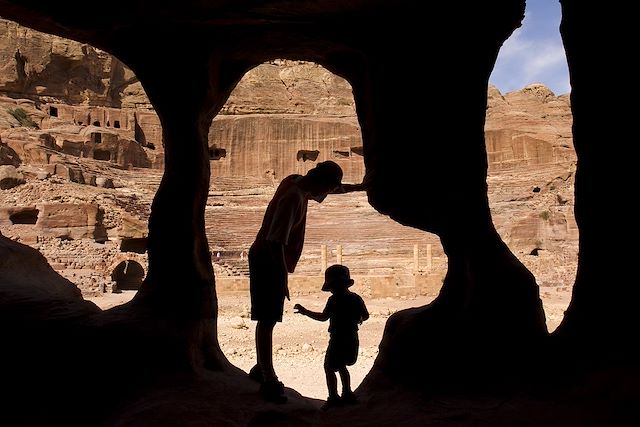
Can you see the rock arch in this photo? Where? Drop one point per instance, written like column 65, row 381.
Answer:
column 127, row 271
column 487, row 322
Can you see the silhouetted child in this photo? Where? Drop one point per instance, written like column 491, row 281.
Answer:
column 345, row 311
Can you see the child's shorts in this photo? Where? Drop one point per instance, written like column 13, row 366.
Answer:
column 342, row 351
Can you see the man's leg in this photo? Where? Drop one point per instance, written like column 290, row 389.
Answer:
column 271, row 389
column 264, row 346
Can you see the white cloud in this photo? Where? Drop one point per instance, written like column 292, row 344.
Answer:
column 514, row 45
column 524, row 60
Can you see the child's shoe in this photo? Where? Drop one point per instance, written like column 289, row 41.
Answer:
column 332, row 402
column 349, row 398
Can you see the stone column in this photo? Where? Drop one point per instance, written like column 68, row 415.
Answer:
column 415, row 259
column 180, row 280
column 339, row 254
column 429, row 258
column 323, row 258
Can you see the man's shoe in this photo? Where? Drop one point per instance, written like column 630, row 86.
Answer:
column 273, row 391
column 255, row 374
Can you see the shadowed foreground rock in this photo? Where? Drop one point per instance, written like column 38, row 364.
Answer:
column 485, row 329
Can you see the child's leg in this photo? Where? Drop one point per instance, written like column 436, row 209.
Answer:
column 332, row 381
column 348, row 396
column 346, row 380
column 332, row 384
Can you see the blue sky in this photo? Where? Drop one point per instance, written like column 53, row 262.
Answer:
column 534, row 52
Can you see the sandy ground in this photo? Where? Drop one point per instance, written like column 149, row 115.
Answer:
column 300, row 342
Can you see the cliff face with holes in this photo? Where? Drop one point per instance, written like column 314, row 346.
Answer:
column 282, row 118
column 276, row 145
column 532, row 164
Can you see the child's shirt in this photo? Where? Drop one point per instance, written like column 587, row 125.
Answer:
column 346, row 310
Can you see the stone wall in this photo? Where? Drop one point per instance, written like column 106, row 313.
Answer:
column 277, row 145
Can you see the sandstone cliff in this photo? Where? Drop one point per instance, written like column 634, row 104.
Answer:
column 48, row 68
column 93, row 123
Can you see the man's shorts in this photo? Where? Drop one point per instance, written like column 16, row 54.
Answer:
column 267, row 282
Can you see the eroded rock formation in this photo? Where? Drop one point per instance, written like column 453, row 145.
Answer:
column 51, row 68
column 487, row 324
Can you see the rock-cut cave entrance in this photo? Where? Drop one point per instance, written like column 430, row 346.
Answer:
column 283, row 118
column 128, row 275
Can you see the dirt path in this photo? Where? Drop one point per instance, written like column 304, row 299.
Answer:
column 300, row 343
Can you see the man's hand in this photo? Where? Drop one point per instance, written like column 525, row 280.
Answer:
column 299, row 309
column 366, row 183
column 348, row 188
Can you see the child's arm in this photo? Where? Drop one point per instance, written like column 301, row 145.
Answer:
column 365, row 313
column 312, row 314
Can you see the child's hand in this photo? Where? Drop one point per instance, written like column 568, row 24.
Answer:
column 298, row 308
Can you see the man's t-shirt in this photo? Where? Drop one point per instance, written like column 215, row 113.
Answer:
column 285, row 220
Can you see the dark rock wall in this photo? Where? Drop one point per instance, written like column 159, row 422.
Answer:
column 489, row 300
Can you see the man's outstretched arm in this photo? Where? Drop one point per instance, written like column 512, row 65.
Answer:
column 349, row 188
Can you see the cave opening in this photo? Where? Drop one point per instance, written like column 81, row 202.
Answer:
column 137, row 245
column 529, row 142
column 300, row 114
column 307, row 155
column 216, row 153
column 99, row 154
column 24, row 216
column 289, row 124
column 525, row 216
column 128, row 275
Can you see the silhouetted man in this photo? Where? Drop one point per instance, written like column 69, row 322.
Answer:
column 274, row 254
